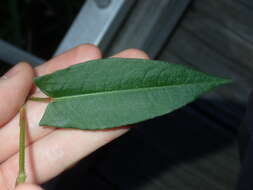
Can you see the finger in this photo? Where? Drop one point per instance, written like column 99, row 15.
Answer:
column 60, row 149
column 28, row 187
column 10, row 132
column 132, row 53
column 81, row 53
column 14, row 88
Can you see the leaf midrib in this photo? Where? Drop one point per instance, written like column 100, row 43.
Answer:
column 62, row 98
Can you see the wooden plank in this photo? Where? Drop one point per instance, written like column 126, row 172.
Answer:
column 234, row 35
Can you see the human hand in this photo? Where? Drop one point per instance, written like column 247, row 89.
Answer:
column 49, row 151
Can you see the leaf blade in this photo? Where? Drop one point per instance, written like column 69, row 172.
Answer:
column 133, row 95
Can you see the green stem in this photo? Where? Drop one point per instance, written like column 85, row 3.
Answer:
column 23, row 125
column 38, row 99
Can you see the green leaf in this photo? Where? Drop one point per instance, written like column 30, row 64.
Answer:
column 113, row 92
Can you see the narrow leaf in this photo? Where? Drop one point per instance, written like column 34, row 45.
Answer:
column 113, row 92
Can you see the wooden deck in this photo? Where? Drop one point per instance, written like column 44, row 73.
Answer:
column 194, row 148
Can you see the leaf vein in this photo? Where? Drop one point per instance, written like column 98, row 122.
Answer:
column 132, row 90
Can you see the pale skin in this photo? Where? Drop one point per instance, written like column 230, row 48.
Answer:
column 49, row 151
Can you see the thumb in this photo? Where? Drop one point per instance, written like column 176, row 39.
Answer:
column 14, row 88
column 28, row 187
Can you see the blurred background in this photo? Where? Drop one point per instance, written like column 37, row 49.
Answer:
column 32, row 24
column 195, row 147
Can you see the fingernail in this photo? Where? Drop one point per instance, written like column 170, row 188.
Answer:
column 13, row 71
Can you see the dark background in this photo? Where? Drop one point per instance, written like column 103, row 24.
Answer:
column 37, row 25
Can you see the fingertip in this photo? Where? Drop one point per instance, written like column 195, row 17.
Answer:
column 28, row 187
column 133, row 53
column 85, row 52
column 89, row 48
column 26, row 67
column 25, row 64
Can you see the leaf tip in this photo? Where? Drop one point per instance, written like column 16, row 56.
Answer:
column 223, row 81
